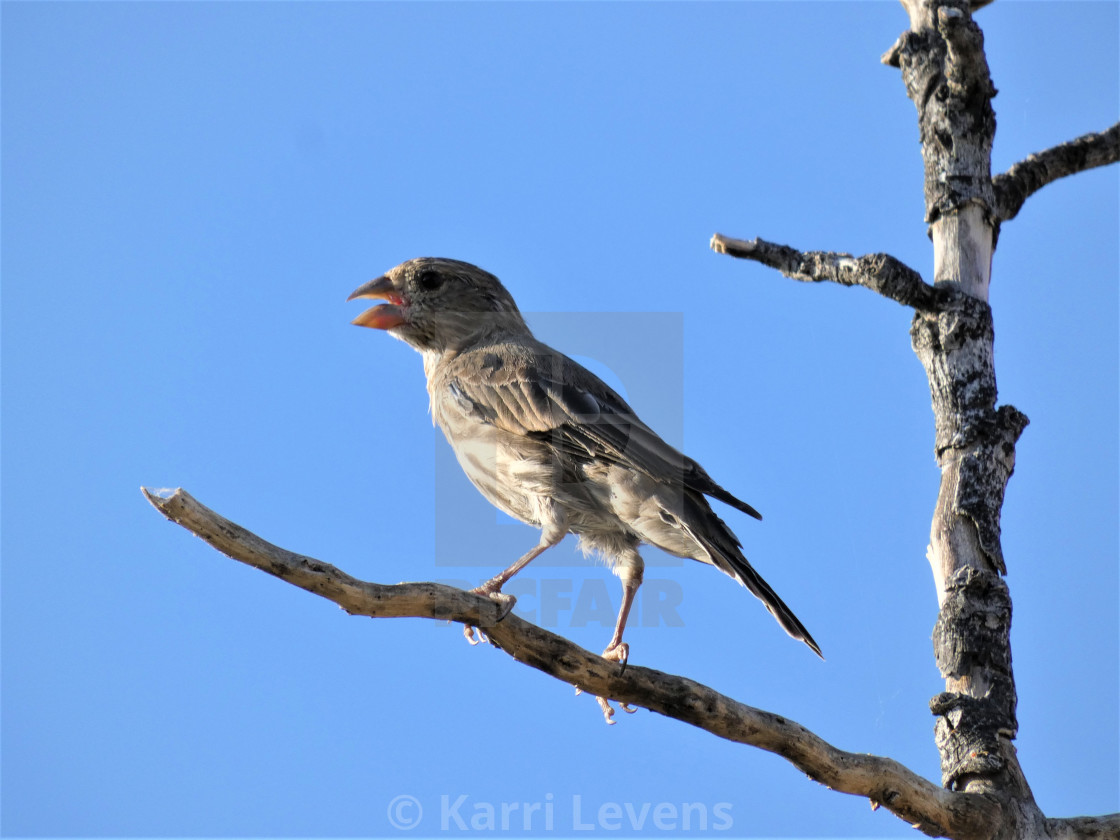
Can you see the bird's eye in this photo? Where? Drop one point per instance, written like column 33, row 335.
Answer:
column 430, row 280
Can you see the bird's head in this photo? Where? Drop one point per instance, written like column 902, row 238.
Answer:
column 438, row 304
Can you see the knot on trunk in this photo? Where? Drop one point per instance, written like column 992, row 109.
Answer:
column 972, row 646
column 967, row 734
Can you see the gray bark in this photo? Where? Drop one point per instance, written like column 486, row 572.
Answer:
column 886, row 783
column 946, row 75
column 984, row 793
column 945, row 72
column 934, row 810
column 1028, row 176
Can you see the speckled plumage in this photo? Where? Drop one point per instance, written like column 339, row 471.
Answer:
column 548, row 442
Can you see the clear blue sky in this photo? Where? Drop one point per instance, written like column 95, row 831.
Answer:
column 190, row 191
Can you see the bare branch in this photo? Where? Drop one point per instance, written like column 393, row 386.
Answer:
column 1026, row 177
column 881, row 273
column 357, row 597
column 926, row 806
column 1106, row 827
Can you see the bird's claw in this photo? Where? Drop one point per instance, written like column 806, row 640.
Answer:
column 505, row 605
column 608, row 711
column 504, row 601
column 468, row 633
column 619, row 653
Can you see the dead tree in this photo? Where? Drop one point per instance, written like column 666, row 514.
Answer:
column 984, row 793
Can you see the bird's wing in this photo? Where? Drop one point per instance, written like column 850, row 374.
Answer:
column 534, row 390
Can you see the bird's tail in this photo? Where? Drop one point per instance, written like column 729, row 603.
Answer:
column 746, row 575
column 723, row 550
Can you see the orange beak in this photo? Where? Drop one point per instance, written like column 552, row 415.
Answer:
column 387, row 315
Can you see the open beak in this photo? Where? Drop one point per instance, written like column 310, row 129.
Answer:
column 385, row 316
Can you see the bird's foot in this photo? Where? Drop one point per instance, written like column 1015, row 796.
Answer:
column 608, row 710
column 505, row 602
column 505, row 605
column 619, row 653
column 469, row 633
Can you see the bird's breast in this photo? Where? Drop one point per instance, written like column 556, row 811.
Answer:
column 507, row 469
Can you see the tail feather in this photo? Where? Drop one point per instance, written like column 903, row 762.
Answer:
column 698, row 480
column 717, row 492
column 746, row 575
column 722, row 550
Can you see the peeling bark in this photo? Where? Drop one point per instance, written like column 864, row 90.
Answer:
column 946, row 75
column 942, row 62
column 984, row 794
column 973, row 441
column 881, row 273
column 1026, row 177
column 976, row 718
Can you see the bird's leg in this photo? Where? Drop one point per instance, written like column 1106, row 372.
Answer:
column 630, row 573
column 492, row 589
column 495, row 584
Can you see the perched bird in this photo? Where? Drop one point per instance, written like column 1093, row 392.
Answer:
column 549, row 443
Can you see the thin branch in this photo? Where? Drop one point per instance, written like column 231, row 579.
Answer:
column 1028, row 176
column 928, row 807
column 357, row 597
column 881, row 273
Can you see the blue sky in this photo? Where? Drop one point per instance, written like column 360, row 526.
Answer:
column 191, row 190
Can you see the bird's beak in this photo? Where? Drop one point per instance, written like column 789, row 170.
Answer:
column 387, row 315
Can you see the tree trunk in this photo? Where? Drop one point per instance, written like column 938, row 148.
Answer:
column 946, row 75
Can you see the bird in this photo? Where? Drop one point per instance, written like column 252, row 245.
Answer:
column 549, row 443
